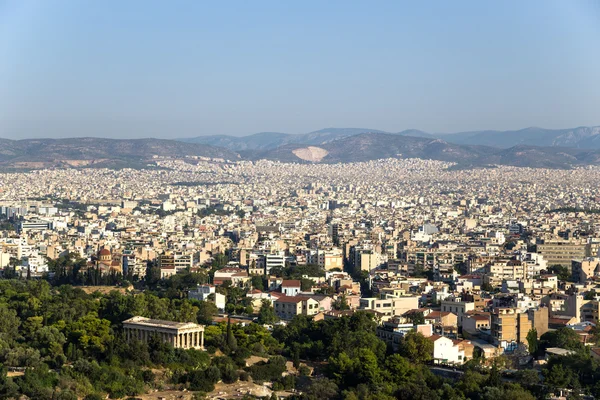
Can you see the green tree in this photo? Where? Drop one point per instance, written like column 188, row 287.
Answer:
column 558, row 377
column 266, row 314
column 9, row 328
column 258, row 282
column 416, row 347
column 532, row 341
column 206, row 311
column 417, row 318
column 322, row 389
column 565, row 338
column 341, row 303
column 560, row 270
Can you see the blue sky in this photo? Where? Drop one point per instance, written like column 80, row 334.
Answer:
column 186, row 68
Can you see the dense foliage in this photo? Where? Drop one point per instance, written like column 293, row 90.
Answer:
column 59, row 342
column 69, row 343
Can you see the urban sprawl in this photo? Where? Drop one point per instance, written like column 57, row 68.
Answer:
column 473, row 259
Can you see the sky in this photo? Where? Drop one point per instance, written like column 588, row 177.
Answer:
column 170, row 69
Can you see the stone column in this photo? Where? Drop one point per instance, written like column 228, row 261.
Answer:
column 202, row 339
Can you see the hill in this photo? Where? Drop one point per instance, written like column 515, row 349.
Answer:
column 371, row 146
column 582, row 137
column 272, row 140
column 34, row 153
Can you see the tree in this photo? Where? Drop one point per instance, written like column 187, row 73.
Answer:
column 417, row 318
column 257, row 282
column 296, row 357
column 565, row 338
column 416, row 347
column 557, row 377
column 322, row 389
column 494, row 378
column 306, row 284
column 528, row 377
column 532, row 341
column 399, row 369
column 266, row 314
column 560, row 270
column 341, row 303
column 9, row 328
column 230, row 338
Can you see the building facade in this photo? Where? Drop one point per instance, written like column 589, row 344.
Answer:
column 181, row 335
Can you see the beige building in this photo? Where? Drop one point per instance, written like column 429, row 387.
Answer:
column 287, row 307
column 510, row 327
column 457, row 306
column 183, row 335
column 391, row 306
column 509, row 270
column 504, row 327
column 583, row 270
column 562, row 252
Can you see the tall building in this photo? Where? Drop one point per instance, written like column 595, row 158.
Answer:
column 562, row 252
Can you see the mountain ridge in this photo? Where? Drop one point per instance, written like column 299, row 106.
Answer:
column 580, row 137
column 86, row 151
column 330, row 148
column 371, row 146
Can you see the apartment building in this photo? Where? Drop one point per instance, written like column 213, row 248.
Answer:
column 457, row 306
column 584, row 269
column 562, row 252
column 392, row 306
column 287, row 307
column 510, row 327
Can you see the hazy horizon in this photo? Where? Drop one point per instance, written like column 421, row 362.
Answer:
column 141, row 136
column 183, row 69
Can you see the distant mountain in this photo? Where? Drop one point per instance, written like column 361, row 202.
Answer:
column 416, row 133
column 372, row 146
column 531, row 147
column 263, row 140
column 272, row 140
column 582, row 137
column 99, row 152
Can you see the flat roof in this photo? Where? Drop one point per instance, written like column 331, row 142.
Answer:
column 159, row 323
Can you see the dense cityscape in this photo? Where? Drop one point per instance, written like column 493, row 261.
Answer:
column 395, row 278
column 299, row 200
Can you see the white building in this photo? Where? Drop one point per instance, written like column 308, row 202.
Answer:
column 204, row 292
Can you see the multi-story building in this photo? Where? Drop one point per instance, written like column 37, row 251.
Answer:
column 510, row 327
column 562, row 252
column 582, row 270
column 208, row 293
column 390, row 306
column 458, row 306
column 287, row 307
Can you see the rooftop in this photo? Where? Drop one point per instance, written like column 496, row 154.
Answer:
column 159, row 323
